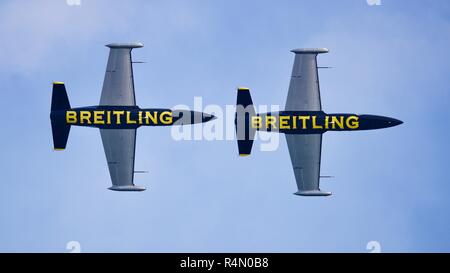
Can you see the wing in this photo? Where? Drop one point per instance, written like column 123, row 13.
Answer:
column 304, row 92
column 119, row 145
column 305, row 152
column 118, row 86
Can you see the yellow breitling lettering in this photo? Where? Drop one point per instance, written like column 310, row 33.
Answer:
column 326, row 122
column 118, row 114
column 314, row 123
column 85, row 116
column 71, row 117
column 98, row 117
column 304, row 119
column 166, row 117
column 108, row 117
column 140, row 117
column 256, row 122
column 270, row 120
column 148, row 117
column 284, row 122
column 337, row 122
column 129, row 120
column 353, row 122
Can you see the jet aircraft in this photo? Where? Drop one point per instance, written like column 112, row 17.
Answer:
column 303, row 122
column 117, row 116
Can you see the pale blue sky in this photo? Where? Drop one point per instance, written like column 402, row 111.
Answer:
column 391, row 185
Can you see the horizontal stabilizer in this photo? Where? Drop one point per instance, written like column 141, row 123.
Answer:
column 127, row 188
column 244, row 112
column 60, row 133
column 60, row 104
column 60, row 100
column 313, row 193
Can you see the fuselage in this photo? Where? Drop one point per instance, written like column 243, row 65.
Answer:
column 127, row 117
column 316, row 122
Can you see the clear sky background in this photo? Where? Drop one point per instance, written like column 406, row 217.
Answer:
column 390, row 185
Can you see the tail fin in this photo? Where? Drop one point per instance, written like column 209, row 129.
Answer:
column 244, row 112
column 60, row 104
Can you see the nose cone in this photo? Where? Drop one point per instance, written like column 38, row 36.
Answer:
column 369, row 122
column 394, row 122
column 208, row 117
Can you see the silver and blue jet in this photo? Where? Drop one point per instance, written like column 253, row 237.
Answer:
column 303, row 122
column 117, row 116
